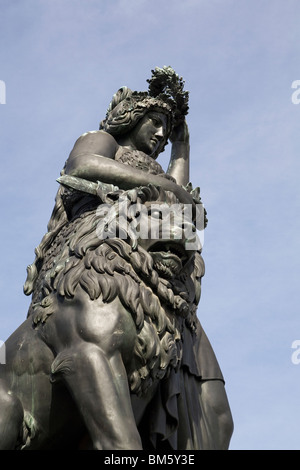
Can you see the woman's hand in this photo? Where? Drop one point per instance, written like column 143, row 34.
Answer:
column 180, row 133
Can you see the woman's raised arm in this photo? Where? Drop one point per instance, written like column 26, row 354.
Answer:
column 179, row 166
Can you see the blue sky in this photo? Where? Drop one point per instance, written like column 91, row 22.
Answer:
column 61, row 62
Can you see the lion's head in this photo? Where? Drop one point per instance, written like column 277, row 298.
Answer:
column 152, row 220
column 135, row 248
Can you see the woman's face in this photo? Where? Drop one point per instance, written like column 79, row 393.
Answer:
column 149, row 132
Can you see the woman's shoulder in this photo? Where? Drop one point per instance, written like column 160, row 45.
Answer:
column 96, row 142
column 97, row 136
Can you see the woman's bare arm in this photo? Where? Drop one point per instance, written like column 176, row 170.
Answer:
column 99, row 168
column 179, row 166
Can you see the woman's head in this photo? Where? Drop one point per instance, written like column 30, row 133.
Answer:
column 165, row 95
column 128, row 109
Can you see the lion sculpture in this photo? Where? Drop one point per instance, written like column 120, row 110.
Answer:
column 111, row 333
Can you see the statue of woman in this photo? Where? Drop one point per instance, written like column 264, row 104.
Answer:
column 190, row 410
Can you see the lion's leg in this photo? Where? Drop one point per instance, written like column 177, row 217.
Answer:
column 99, row 386
column 11, row 418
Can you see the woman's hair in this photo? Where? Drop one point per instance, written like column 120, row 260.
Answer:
column 57, row 221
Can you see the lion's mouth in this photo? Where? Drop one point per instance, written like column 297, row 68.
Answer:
column 168, row 258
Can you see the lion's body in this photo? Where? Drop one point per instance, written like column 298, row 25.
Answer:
column 39, row 358
column 103, row 331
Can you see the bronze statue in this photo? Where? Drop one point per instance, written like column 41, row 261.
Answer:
column 112, row 355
